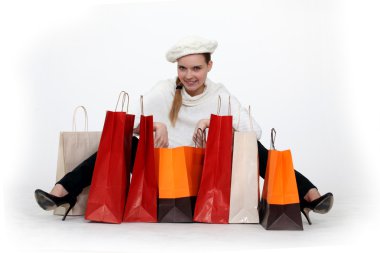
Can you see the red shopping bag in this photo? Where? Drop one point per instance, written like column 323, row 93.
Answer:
column 110, row 180
column 141, row 203
column 213, row 201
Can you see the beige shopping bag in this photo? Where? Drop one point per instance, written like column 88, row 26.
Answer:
column 245, row 193
column 74, row 148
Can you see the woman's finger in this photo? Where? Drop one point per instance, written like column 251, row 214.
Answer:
column 166, row 144
column 160, row 142
column 198, row 140
column 155, row 143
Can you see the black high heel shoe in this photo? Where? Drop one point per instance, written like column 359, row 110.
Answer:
column 50, row 202
column 321, row 205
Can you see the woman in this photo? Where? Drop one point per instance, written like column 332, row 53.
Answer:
column 180, row 107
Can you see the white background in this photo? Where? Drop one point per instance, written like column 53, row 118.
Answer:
column 307, row 68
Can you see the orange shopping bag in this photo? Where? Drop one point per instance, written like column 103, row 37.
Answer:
column 179, row 174
column 279, row 207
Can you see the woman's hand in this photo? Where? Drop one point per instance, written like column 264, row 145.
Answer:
column 198, row 138
column 161, row 139
column 136, row 130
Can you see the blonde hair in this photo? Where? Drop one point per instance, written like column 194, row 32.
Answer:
column 177, row 101
column 176, row 105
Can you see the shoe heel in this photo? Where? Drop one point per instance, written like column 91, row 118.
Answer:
column 68, row 210
column 305, row 212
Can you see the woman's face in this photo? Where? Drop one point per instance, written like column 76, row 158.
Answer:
column 192, row 72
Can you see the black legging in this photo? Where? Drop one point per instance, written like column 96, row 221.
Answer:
column 81, row 176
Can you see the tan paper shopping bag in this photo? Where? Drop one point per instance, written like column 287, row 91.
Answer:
column 245, row 193
column 74, row 148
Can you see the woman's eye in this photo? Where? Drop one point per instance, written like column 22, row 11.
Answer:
column 181, row 68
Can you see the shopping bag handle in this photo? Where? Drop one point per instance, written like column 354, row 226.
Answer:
column 203, row 134
column 250, row 118
column 74, row 125
column 220, row 104
column 273, row 138
column 123, row 101
column 142, row 104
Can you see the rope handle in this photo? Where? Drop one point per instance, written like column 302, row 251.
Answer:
column 74, row 125
column 203, row 134
column 229, row 105
column 273, row 138
column 123, row 101
column 220, row 105
column 250, row 118
column 142, row 105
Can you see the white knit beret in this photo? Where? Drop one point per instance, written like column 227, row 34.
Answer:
column 191, row 45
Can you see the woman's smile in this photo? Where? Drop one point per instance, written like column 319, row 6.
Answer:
column 191, row 83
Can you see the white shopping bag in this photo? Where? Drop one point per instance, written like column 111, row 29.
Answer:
column 245, row 192
column 74, row 148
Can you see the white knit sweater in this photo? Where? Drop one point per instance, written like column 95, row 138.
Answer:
column 159, row 99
